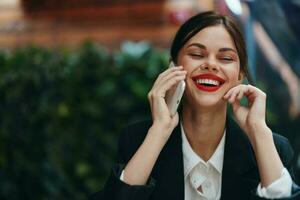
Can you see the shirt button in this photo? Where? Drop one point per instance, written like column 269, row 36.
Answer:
column 196, row 183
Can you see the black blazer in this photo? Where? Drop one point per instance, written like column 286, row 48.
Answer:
column 240, row 176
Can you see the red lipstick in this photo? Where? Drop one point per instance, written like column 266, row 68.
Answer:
column 205, row 86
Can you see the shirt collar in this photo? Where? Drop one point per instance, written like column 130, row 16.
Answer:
column 191, row 159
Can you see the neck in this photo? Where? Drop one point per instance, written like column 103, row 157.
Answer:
column 204, row 128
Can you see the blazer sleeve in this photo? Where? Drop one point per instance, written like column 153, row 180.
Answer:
column 115, row 189
column 286, row 154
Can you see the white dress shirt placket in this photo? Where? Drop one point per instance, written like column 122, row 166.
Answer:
column 200, row 179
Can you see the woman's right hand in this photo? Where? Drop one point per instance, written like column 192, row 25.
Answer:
column 138, row 169
column 160, row 113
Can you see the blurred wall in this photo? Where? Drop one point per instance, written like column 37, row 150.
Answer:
column 52, row 23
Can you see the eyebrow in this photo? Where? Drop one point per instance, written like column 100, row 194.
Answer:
column 201, row 46
column 227, row 49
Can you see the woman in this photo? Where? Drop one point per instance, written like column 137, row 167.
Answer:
column 202, row 154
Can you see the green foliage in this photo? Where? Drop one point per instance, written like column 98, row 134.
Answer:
column 61, row 112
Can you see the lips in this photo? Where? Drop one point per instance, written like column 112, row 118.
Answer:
column 208, row 82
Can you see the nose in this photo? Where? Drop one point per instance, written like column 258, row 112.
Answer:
column 209, row 66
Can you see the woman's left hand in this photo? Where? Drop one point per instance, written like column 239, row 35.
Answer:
column 250, row 117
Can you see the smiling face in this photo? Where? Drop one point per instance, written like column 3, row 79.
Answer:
column 212, row 64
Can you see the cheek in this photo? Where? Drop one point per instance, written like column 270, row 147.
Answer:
column 188, row 64
column 234, row 76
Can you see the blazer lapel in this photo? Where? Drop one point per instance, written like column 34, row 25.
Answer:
column 168, row 171
column 240, row 174
column 239, row 177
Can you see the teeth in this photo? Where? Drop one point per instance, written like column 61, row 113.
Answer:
column 208, row 81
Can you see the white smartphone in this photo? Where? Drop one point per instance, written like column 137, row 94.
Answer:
column 174, row 95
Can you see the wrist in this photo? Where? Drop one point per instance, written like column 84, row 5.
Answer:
column 164, row 125
column 261, row 135
column 160, row 131
column 257, row 128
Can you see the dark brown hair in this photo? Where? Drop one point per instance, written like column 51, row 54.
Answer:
column 202, row 20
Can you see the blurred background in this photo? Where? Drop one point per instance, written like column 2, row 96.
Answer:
column 74, row 72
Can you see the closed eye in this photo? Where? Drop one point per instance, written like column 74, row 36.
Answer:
column 227, row 59
column 196, row 55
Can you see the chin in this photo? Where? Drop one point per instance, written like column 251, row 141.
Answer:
column 209, row 101
column 205, row 101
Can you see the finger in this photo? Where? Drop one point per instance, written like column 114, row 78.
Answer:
column 171, row 76
column 240, row 95
column 168, row 71
column 233, row 95
column 230, row 91
column 171, row 82
column 228, row 94
column 254, row 95
column 251, row 93
column 160, row 90
column 150, row 100
column 162, row 77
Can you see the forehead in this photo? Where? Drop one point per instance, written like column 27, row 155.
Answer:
column 213, row 37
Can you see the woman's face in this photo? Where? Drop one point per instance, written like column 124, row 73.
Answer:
column 212, row 64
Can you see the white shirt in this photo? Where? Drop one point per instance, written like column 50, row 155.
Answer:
column 208, row 175
column 197, row 172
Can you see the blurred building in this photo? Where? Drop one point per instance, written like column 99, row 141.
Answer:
column 51, row 23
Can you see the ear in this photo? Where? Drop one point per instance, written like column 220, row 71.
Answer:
column 241, row 76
